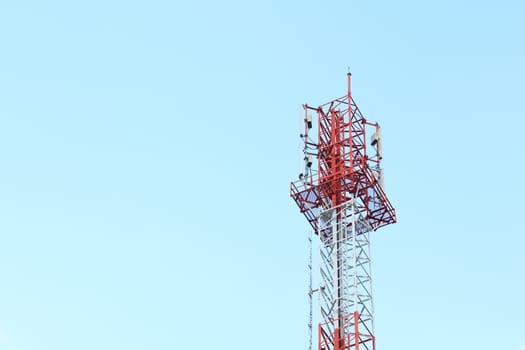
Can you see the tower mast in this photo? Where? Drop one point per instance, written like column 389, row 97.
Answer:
column 342, row 198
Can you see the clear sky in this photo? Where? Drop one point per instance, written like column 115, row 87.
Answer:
column 146, row 149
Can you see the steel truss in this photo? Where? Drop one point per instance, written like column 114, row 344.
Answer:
column 345, row 293
column 342, row 197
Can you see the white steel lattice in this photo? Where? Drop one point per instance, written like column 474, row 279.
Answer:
column 345, row 293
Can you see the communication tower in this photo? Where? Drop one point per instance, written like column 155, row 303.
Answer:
column 341, row 194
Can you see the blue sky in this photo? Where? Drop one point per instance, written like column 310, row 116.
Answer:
column 146, row 150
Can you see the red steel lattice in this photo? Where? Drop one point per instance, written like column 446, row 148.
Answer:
column 344, row 168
